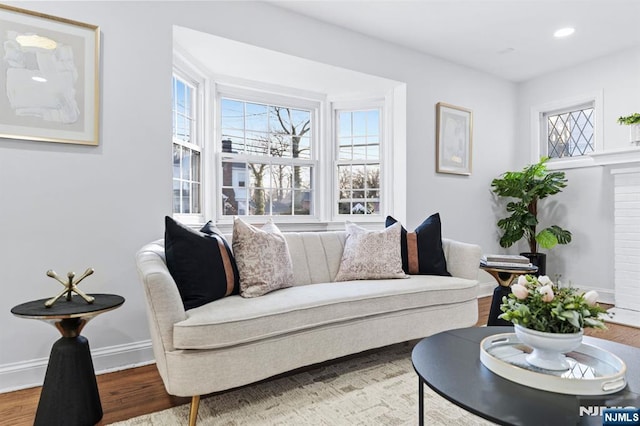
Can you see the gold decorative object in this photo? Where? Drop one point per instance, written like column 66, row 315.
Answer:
column 70, row 286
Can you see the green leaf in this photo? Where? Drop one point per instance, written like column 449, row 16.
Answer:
column 546, row 239
column 572, row 317
column 563, row 236
column 629, row 119
column 591, row 322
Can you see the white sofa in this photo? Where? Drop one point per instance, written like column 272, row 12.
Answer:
column 235, row 341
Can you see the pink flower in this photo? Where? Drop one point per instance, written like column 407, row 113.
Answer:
column 544, row 280
column 591, row 297
column 547, row 293
column 519, row 291
column 522, row 280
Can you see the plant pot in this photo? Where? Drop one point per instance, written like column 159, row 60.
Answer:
column 548, row 348
column 634, row 134
column 539, row 260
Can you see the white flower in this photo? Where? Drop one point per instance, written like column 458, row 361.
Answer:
column 522, row 280
column 547, row 293
column 544, row 280
column 519, row 291
column 591, row 297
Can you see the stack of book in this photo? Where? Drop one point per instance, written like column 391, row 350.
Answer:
column 506, row 261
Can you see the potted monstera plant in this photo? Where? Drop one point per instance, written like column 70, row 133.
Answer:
column 525, row 190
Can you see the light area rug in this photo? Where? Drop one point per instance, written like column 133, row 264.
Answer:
column 374, row 388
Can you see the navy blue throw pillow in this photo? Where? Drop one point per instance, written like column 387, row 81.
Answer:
column 201, row 265
column 421, row 250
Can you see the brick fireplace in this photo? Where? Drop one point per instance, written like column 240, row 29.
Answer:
column 627, row 244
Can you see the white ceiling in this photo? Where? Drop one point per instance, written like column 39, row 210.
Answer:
column 512, row 39
column 283, row 71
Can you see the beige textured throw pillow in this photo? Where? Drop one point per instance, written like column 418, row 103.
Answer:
column 370, row 255
column 263, row 259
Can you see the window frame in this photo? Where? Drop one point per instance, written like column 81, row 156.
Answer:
column 284, row 99
column 544, row 132
column 357, row 106
column 191, row 76
column 539, row 147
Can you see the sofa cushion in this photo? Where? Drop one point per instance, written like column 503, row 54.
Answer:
column 201, row 265
column 235, row 320
column 263, row 258
column 315, row 255
column 371, row 254
column 422, row 249
column 210, row 228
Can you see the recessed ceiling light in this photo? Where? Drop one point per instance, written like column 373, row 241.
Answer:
column 564, row 32
column 39, row 79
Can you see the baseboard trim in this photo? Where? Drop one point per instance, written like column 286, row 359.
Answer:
column 30, row 373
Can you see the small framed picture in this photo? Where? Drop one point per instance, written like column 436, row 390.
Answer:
column 49, row 85
column 454, row 131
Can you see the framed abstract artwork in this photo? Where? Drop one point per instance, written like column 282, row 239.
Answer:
column 49, row 87
column 454, row 134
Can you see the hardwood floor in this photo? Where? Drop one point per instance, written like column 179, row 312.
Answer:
column 133, row 392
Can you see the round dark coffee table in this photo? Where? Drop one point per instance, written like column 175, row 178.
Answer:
column 70, row 393
column 449, row 363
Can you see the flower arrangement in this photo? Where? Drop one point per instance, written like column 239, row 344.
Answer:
column 538, row 304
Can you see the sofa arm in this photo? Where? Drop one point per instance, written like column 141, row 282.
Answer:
column 164, row 305
column 463, row 259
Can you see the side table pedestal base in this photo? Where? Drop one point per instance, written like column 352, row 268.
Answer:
column 498, row 293
column 70, row 373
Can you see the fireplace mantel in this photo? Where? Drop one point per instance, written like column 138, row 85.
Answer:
column 618, row 156
column 615, row 157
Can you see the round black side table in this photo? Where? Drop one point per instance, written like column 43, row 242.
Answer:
column 70, row 392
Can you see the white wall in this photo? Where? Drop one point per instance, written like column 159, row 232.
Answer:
column 68, row 207
column 585, row 207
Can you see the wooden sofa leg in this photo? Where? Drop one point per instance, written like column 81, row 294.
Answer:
column 193, row 411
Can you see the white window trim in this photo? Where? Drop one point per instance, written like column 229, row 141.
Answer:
column 386, row 157
column 188, row 72
column 536, row 121
column 394, row 154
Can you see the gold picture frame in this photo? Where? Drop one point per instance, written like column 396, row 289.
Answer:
column 454, row 137
column 49, row 78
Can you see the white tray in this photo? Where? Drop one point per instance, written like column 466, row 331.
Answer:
column 593, row 371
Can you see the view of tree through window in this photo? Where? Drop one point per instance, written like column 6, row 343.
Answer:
column 359, row 162
column 267, row 163
column 186, row 149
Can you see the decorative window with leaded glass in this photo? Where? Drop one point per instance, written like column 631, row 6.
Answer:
column 570, row 132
